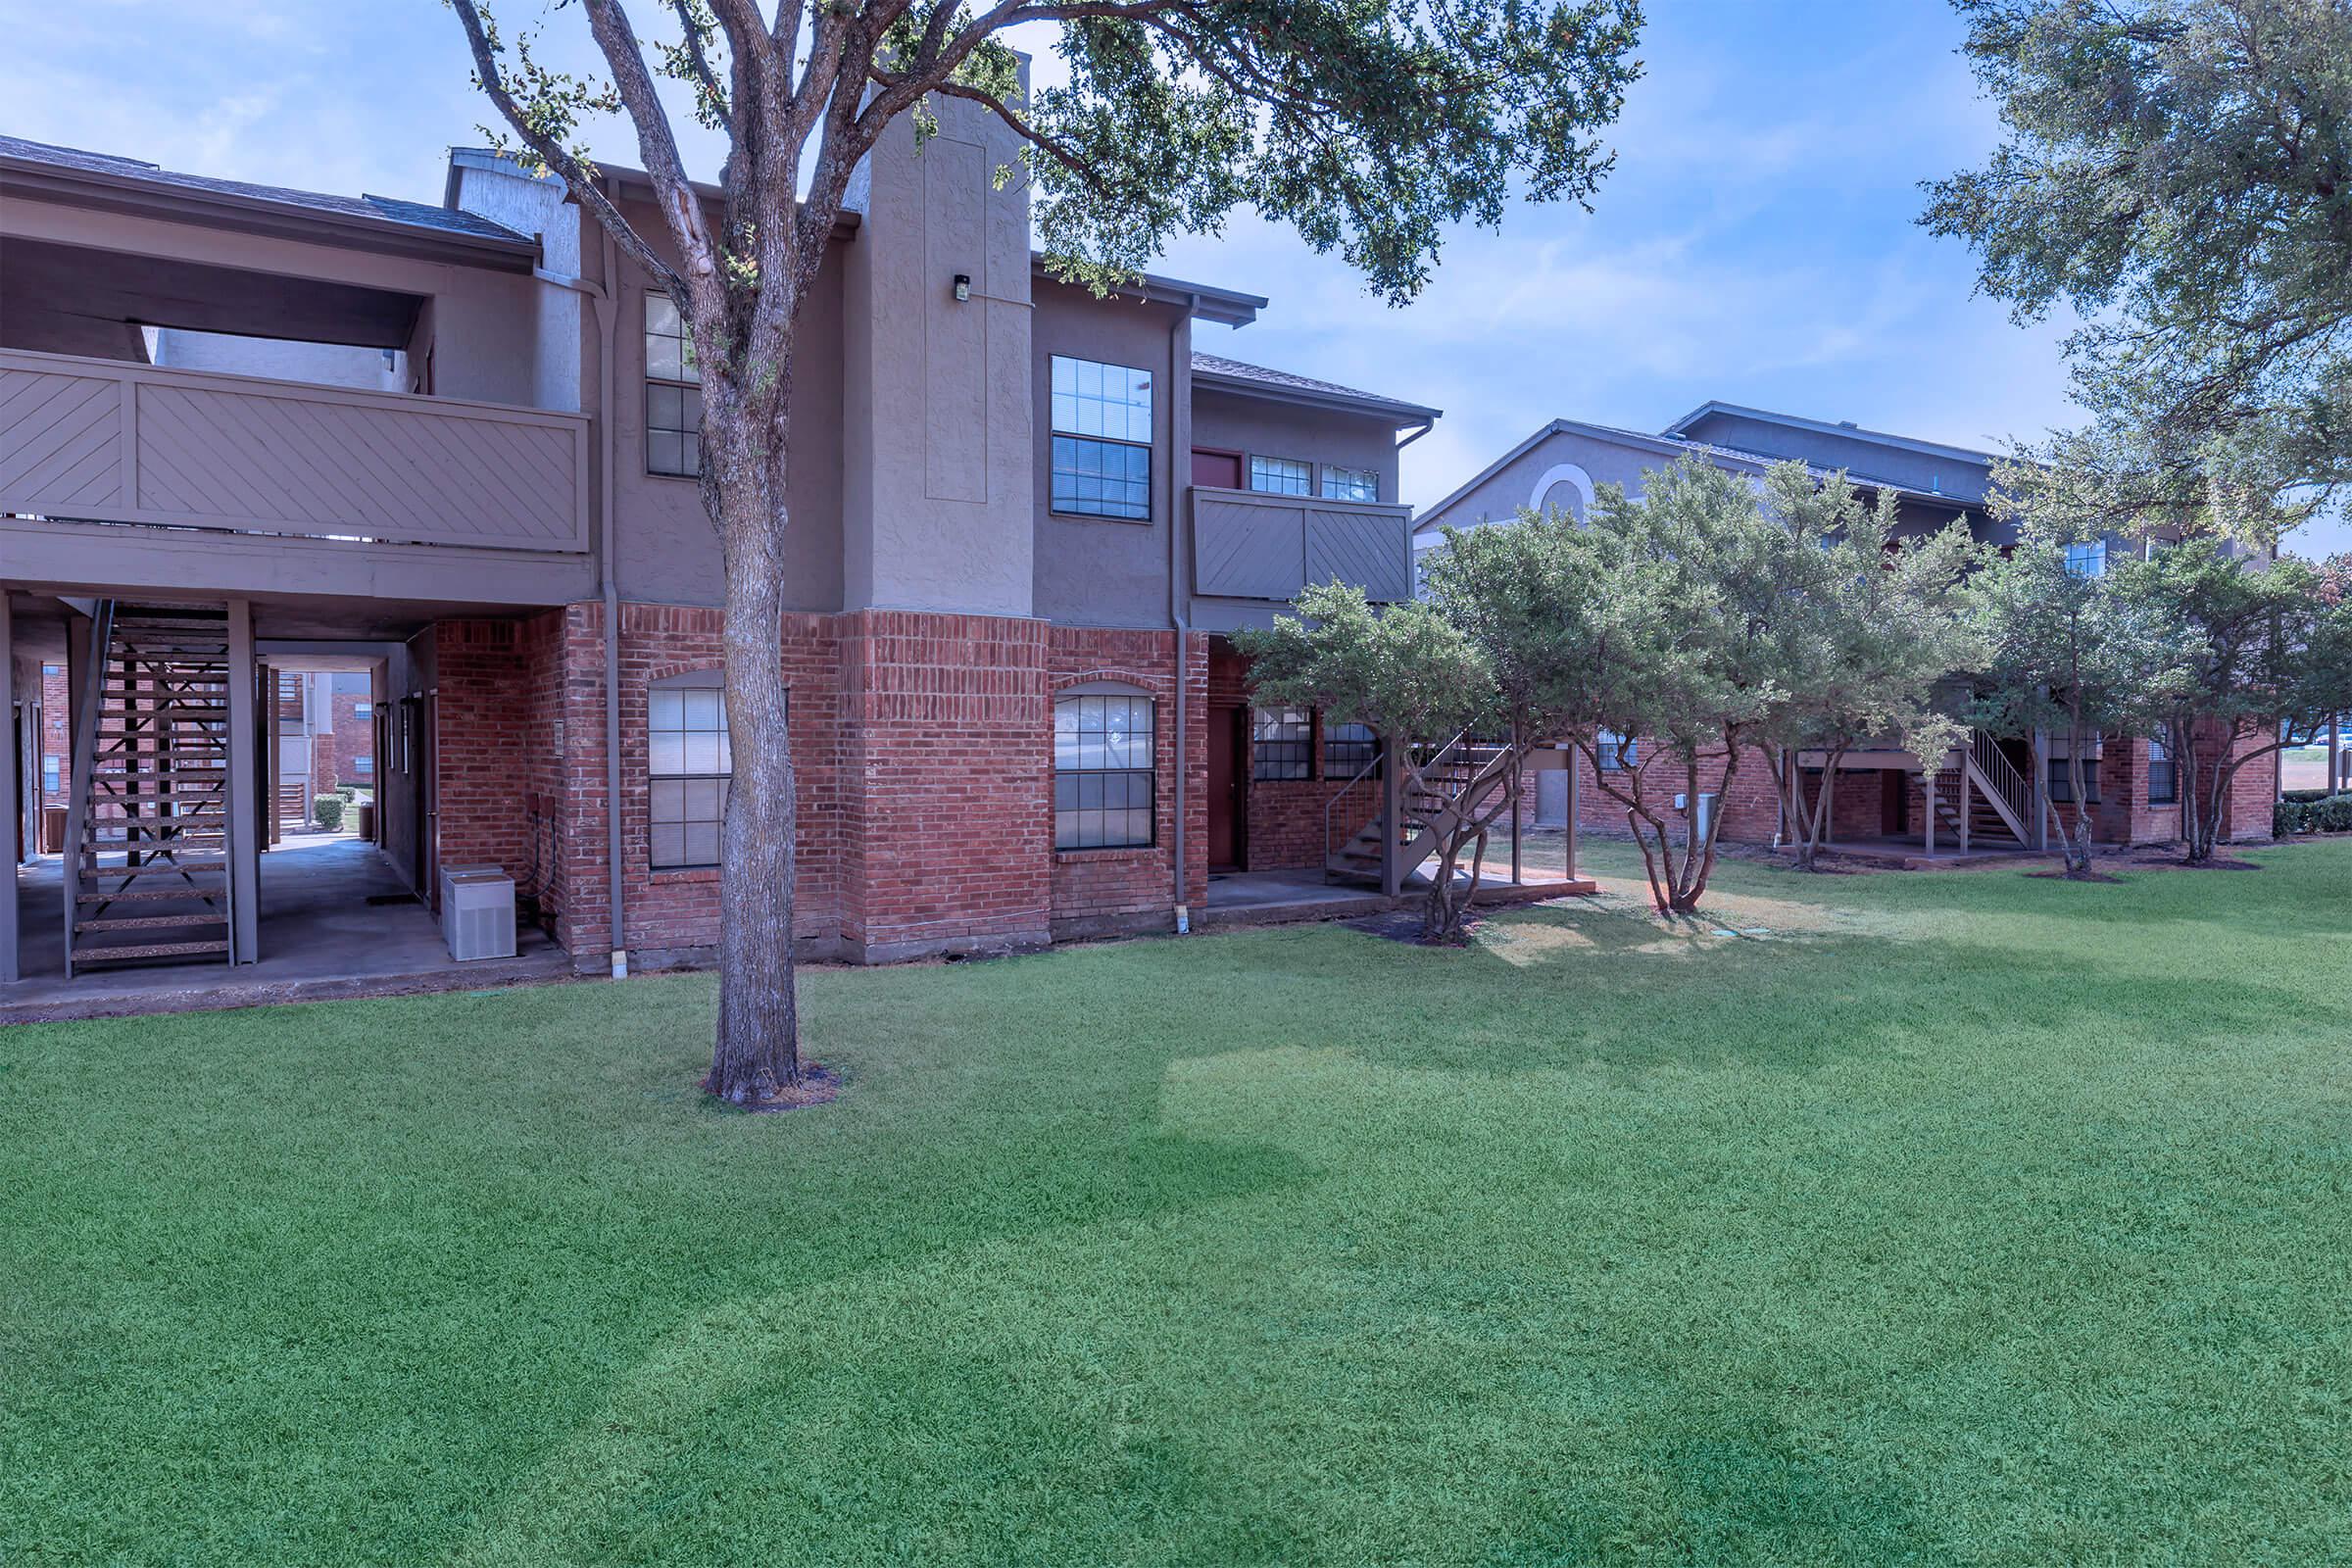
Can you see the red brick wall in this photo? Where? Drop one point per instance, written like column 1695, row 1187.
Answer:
column 947, row 757
column 482, row 746
column 673, row 914
column 57, row 734
column 355, row 738
column 1751, row 812
column 1102, row 891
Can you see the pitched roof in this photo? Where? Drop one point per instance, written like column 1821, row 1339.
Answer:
column 388, row 214
column 1219, row 371
column 1670, row 446
column 1797, row 421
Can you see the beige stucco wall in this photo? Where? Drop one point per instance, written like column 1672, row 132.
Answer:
column 938, row 459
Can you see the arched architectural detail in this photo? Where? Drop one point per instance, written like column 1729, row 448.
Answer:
column 1567, row 473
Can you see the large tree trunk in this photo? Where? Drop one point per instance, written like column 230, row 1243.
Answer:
column 2075, row 842
column 757, row 1049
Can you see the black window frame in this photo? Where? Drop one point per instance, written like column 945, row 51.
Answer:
column 2159, row 758
column 685, row 425
column 695, row 785
column 1347, row 753
column 1069, row 446
column 2061, row 786
column 1074, row 782
column 1289, row 745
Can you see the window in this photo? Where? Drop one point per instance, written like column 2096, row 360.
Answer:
column 1350, row 484
column 1282, row 743
column 2164, row 784
column 1102, row 457
column 361, row 709
column 687, row 763
column 52, row 771
column 673, row 394
column 2062, row 788
column 1617, row 754
column 364, row 765
column 1281, row 476
column 2088, row 559
column 1349, row 749
column 1102, row 771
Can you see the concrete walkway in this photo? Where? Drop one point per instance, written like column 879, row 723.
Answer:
column 320, row 938
column 1268, row 898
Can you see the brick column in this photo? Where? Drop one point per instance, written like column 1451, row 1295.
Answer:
column 945, row 779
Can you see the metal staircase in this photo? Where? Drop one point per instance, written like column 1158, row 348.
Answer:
column 1441, row 786
column 150, row 826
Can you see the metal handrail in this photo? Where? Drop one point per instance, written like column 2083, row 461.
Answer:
column 2000, row 775
column 1360, row 774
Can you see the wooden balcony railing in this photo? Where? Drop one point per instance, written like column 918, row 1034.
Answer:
column 86, row 440
column 1249, row 545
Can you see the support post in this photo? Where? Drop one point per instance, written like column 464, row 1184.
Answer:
column 1391, row 813
column 1518, row 762
column 2042, row 789
column 244, row 849
column 1927, row 779
column 12, row 769
column 1967, row 804
column 1576, row 813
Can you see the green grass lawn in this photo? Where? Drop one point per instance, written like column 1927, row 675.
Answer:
column 1963, row 1219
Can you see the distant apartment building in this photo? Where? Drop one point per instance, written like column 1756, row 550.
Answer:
column 1991, row 793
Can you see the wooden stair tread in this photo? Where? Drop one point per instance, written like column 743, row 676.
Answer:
column 147, row 895
column 153, row 923
column 106, row 952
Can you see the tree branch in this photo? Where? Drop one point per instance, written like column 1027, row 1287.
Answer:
column 578, row 177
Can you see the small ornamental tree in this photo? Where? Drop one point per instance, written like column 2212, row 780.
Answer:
column 1370, row 126
column 1866, row 630
column 1691, row 578
column 1410, row 673
column 2064, row 656
column 2259, row 657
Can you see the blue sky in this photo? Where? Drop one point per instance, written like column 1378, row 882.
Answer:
column 1756, row 242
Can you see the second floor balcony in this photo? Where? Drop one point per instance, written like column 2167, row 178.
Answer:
column 1249, row 545
column 289, row 477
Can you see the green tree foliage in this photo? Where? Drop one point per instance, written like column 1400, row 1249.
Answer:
column 1863, row 629
column 2257, row 659
column 1372, row 126
column 2065, row 655
column 2179, row 172
column 1409, row 673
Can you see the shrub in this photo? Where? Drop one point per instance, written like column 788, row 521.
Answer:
column 2330, row 813
column 328, row 809
column 2301, row 796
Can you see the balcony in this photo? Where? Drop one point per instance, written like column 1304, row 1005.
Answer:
column 280, row 472
column 1249, row 545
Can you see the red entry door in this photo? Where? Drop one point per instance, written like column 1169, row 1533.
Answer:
column 1222, row 471
column 1225, row 825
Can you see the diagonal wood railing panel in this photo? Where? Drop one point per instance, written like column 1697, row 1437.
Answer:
column 97, row 440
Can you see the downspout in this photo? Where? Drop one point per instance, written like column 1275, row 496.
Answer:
column 1180, row 429
column 605, row 296
column 610, row 589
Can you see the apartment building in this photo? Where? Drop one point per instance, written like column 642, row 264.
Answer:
column 1996, row 793
column 250, row 434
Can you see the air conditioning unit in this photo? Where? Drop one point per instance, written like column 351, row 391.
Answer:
column 477, row 915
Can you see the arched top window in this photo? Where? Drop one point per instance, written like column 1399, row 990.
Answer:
column 1103, row 735
column 687, row 763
